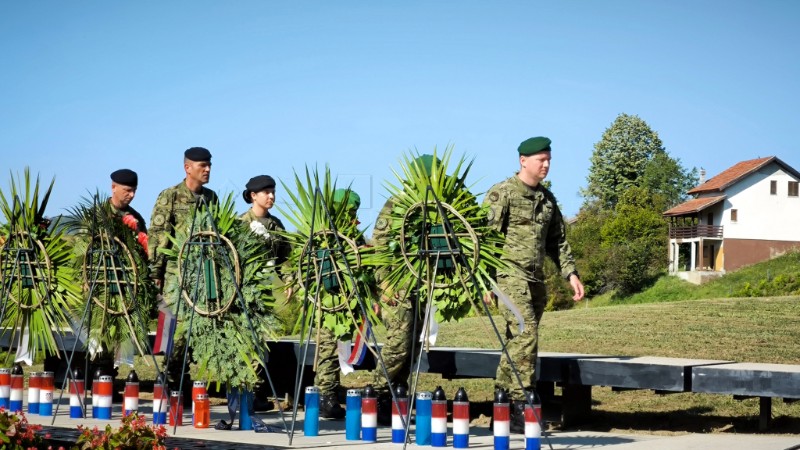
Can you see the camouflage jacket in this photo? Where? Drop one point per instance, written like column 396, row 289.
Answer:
column 278, row 247
column 173, row 210
column 120, row 213
column 532, row 224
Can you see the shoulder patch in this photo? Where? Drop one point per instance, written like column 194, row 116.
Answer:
column 163, row 200
column 158, row 220
column 381, row 224
column 494, row 196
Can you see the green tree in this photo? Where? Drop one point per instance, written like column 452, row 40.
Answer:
column 620, row 159
column 666, row 176
column 634, row 240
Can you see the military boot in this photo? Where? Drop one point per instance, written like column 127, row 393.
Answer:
column 518, row 417
column 329, row 407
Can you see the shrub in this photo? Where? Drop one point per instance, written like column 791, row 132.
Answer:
column 134, row 434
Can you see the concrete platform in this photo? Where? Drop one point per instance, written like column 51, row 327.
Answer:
column 332, row 436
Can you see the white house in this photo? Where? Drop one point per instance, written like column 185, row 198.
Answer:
column 746, row 214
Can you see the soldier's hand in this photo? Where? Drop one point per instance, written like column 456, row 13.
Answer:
column 390, row 300
column 577, row 287
column 490, row 299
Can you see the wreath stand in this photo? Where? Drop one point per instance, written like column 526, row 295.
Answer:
column 203, row 251
column 441, row 250
column 24, row 262
column 322, row 261
column 110, row 272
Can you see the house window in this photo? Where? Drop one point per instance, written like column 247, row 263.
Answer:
column 793, row 189
column 734, row 215
column 773, row 187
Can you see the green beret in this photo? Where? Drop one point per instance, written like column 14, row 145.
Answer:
column 197, row 154
column 534, row 145
column 353, row 200
column 125, row 177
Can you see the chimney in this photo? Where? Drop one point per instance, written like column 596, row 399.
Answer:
column 702, row 175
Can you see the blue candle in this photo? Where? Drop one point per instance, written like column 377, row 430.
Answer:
column 311, row 423
column 352, row 419
column 423, row 408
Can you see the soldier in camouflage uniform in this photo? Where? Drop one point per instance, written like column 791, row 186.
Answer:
column 327, row 375
column 124, row 183
column 397, row 310
column 260, row 192
column 123, row 189
column 528, row 215
column 174, row 209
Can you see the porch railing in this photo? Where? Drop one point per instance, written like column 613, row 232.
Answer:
column 695, row 231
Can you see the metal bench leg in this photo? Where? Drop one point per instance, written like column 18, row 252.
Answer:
column 764, row 413
column 576, row 404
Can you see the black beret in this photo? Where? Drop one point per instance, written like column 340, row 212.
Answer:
column 257, row 184
column 534, row 145
column 125, row 177
column 197, row 154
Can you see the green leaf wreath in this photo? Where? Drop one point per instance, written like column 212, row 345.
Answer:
column 320, row 265
column 39, row 284
column 222, row 342
column 113, row 264
column 421, row 251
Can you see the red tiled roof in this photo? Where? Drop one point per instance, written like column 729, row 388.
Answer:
column 694, row 205
column 731, row 175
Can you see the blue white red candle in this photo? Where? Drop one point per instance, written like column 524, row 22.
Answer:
column 311, row 422
column 422, row 432
column 160, row 403
column 17, row 389
column 369, row 415
column 439, row 418
column 399, row 415
column 352, row 417
column 130, row 397
column 5, row 388
column 533, row 423
column 46, row 388
column 103, row 389
column 77, row 395
column 34, row 383
column 502, row 420
column 461, row 419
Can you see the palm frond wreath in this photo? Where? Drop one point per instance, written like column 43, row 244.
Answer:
column 222, row 341
column 113, row 265
column 38, row 281
column 321, row 256
column 424, row 240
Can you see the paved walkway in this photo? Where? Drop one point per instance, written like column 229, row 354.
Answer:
column 332, row 436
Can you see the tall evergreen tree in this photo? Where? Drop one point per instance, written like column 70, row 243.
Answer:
column 620, row 159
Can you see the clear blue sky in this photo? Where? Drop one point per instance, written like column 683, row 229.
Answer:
column 88, row 87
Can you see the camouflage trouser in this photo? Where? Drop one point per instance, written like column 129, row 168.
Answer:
column 327, row 375
column 174, row 362
column 523, row 348
column 396, row 351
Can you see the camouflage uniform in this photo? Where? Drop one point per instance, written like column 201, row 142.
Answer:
column 398, row 319
column 106, row 359
column 279, row 248
column 534, row 228
column 328, row 374
column 173, row 210
column 120, row 213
